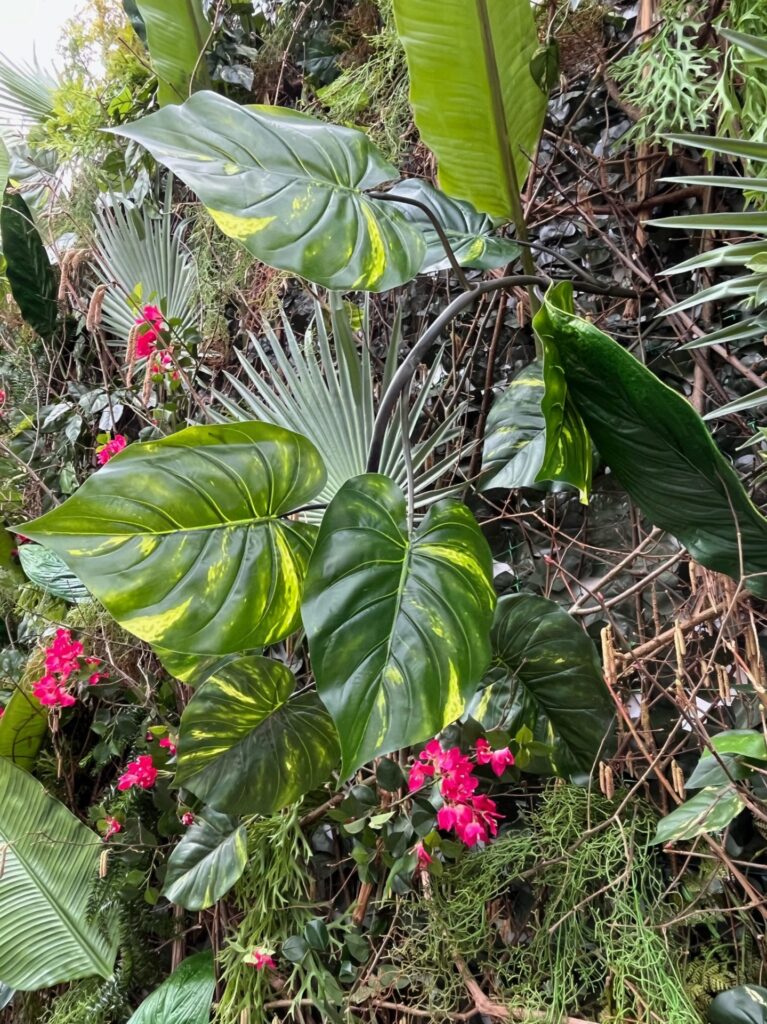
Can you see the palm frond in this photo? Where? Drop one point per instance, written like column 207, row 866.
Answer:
column 26, row 93
column 325, row 388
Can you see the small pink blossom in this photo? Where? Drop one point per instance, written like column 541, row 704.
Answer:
column 111, row 448
column 51, row 694
column 187, row 818
column 3, row 397
column 423, row 856
column 418, row 775
column 141, row 773
column 260, row 959
column 169, row 745
column 154, row 322
column 498, row 760
column 113, row 827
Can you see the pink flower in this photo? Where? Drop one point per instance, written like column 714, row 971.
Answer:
column 169, row 745
column 187, row 818
column 446, row 817
column 3, row 397
column 423, row 856
column 498, row 760
column 2, row 712
column 418, row 775
column 150, row 317
column 260, row 959
column 111, row 448
column 63, row 654
column 140, row 772
column 472, row 833
column 51, row 694
column 113, row 827
column 96, row 677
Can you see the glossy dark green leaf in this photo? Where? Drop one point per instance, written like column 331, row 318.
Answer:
column 471, row 235
column 546, row 676
column 207, row 862
column 186, row 540
column 711, row 810
column 290, row 188
column 22, row 727
column 732, row 746
column 248, row 744
column 46, row 570
column 176, row 36
column 28, row 269
column 533, row 433
column 398, row 625
column 711, row 771
column 658, row 447
column 183, row 998
column 746, row 1004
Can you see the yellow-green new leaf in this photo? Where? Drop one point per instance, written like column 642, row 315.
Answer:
column 50, row 864
column 187, row 542
column 475, row 100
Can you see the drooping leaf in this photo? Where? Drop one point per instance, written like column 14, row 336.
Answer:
column 28, row 269
column 533, row 433
column 183, row 998
column 207, row 862
column 248, row 744
column 708, row 811
column 545, row 675
column 471, row 235
column 46, row 570
column 290, row 188
column 185, row 540
column 476, row 103
column 176, row 35
column 745, row 1004
column 22, row 727
column 398, row 624
column 133, row 15
column 658, row 447
column 49, row 868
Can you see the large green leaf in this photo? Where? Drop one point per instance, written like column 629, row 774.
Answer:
column 248, row 744
column 398, row 625
column 183, row 998
column 471, row 235
column 176, row 35
column 290, row 188
column 50, row 863
column 46, row 570
column 475, row 101
column 658, row 447
column 745, row 1004
column 546, row 676
column 207, row 862
column 533, row 433
column 186, row 540
column 709, row 811
column 28, row 269
column 22, row 727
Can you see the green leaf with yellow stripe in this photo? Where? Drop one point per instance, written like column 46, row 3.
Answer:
column 207, row 862
column 187, row 542
column 398, row 623
column 248, row 744
column 290, row 188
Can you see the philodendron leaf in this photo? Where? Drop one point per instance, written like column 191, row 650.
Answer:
column 471, row 235
column 186, row 540
column 657, row 446
column 28, row 269
column 745, row 1004
column 248, row 744
column 732, row 746
column 398, row 624
column 207, row 862
column 183, row 998
column 534, row 434
column 475, row 101
column 711, row 810
column 546, row 676
column 22, row 727
column 176, row 36
column 290, row 188
column 50, row 864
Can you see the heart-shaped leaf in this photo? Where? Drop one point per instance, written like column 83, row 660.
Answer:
column 290, row 188
column 471, row 235
column 28, row 269
column 207, row 862
column 248, row 744
column 199, row 514
column 546, row 676
column 708, row 811
column 184, row 997
column 398, row 625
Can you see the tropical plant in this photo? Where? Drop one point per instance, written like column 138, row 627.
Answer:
column 176, row 36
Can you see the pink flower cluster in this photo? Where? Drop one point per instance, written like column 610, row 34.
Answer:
column 154, row 323
column 113, row 826
column 260, row 959
column 111, row 448
column 169, row 745
column 64, row 664
column 472, row 816
column 162, row 364
column 141, row 773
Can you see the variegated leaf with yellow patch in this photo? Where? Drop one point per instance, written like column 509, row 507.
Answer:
column 398, row 623
column 187, row 542
column 290, row 188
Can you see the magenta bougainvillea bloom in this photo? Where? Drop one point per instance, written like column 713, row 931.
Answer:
column 499, row 760
column 423, row 856
column 141, row 773
column 113, row 827
column 169, row 745
column 187, row 818
column 111, row 448
column 260, row 959
column 51, row 694
column 63, row 660
column 152, row 320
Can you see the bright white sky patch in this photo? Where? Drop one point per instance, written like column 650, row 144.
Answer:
column 29, row 27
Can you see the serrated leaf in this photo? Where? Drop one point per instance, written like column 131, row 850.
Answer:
column 248, row 744
column 201, row 512
column 183, row 998
column 28, row 269
column 398, row 624
column 290, row 188
column 711, row 810
column 207, row 862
